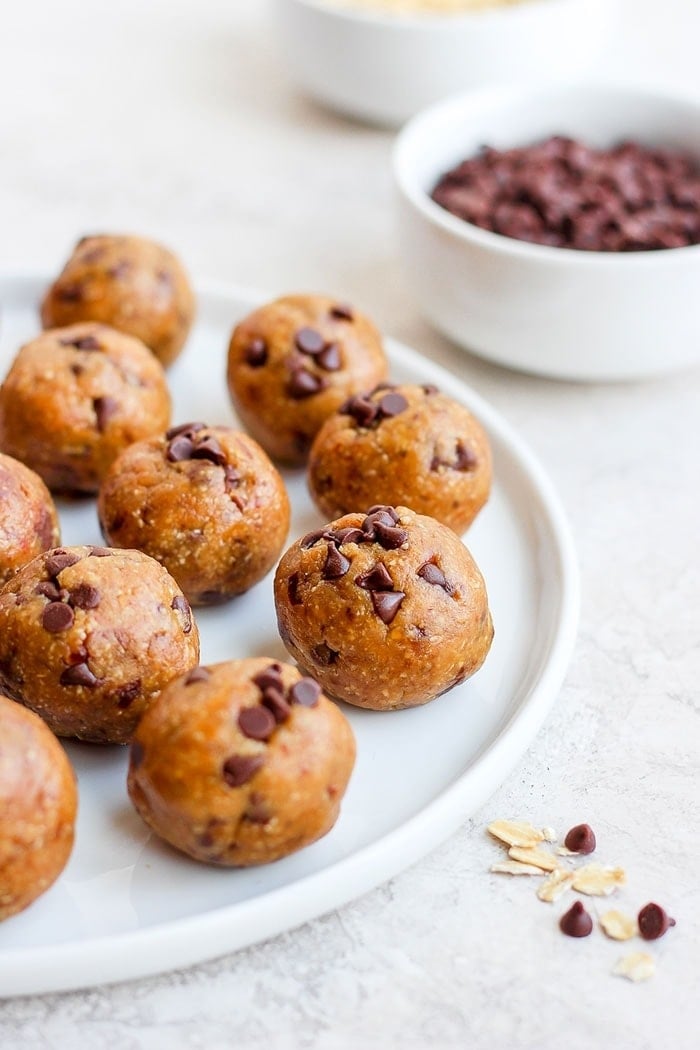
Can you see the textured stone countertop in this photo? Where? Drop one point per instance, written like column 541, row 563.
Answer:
column 174, row 119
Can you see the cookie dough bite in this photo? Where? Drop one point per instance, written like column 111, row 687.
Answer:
column 407, row 445
column 38, row 803
column 130, row 283
column 386, row 610
column 204, row 501
column 293, row 362
column 74, row 398
column 241, row 763
column 28, row 519
column 90, row 636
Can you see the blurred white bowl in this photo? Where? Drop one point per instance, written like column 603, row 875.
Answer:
column 384, row 67
column 552, row 311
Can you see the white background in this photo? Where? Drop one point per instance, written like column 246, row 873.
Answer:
column 176, row 120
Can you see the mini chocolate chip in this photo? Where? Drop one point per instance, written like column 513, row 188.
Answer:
column 342, row 312
column 377, row 579
column 105, row 409
column 256, row 353
column 576, row 922
column 239, row 769
column 100, row 552
column 258, row 811
column 85, row 342
column 311, row 538
column 653, row 921
column 303, row 384
column 269, row 678
column 385, row 509
column 209, row 448
column 184, row 428
column 330, row 359
column 392, row 405
column 179, row 449
column 128, row 693
column 386, row 604
column 59, row 560
column 336, row 564
column 309, row 341
column 57, row 617
column 293, row 589
column 78, row 674
column 580, row 839
column 323, row 654
column 197, row 674
column 50, row 589
column 257, row 723
column 305, row 692
column 273, row 699
column 430, row 388
column 137, row 754
column 349, row 535
column 84, row 596
column 181, row 605
column 390, row 536
column 466, row 460
column 432, row 574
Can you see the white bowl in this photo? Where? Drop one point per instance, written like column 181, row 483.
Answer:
column 553, row 311
column 384, row 67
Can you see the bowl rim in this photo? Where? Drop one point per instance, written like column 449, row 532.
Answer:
column 498, row 243
column 524, row 10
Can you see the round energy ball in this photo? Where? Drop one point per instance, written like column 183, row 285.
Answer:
column 206, row 502
column 292, row 364
column 28, row 519
column 89, row 637
column 241, row 763
column 130, row 283
column 38, row 803
column 74, row 398
column 402, row 445
column 386, row 610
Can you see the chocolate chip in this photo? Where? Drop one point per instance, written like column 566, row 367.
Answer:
column 100, row 552
column 232, row 477
column 50, row 589
column 85, row 342
column 303, row 384
column 384, row 508
column 432, row 574
column 311, row 538
column 379, row 515
column 362, row 410
column 57, row 617
column 59, row 560
column 309, row 341
column 342, row 312
column 466, row 460
column 69, row 293
column 137, row 754
column 330, row 359
column 305, row 692
column 179, row 449
column 257, row 723
column 239, row 769
column 429, row 388
column 256, row 353
column 391, row 537
column 190, row 429
column 269, row 678
column 293, row 589
column 580, row 839
column 182, row 606
column 336, row 564
column 197, row 674
column 576, row 922
column 349, row 535
column 653, row 921
column 209, row 448
column 386, row 604
column 84, row 596
column 78, row 674
column 377, row 579
column 258, row 811
column 273, row 699
column 128, row 693
column 323, row 654
column 105, row 409
column 392, row 405
column 119, row 270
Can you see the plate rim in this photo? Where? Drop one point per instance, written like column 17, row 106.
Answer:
column 170, row 945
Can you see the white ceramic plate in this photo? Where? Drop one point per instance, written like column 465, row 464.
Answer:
column 127, row 905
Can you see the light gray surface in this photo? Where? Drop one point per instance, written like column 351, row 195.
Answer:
column 174, row 120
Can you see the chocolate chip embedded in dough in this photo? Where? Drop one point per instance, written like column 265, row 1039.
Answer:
column 386, row 604
column 433, row 575
column 293, row 589
column 79, row 674
column 305, row 692
column 311, row 538
column 273, row 699
column 85, row 342
column 309, row 341
column 336, row 564
column 84, row 596
column 50, row 589
column 329, row 359
column 100, row 552
column 179, row 449
column 303, row 383
column 257, row 723
column 342, row 312
column 256, row 353
column 384, row 508
column 465, row 458
column 126, row 694
column 59, row 560
column 182, row 606
column 392, row 405
column 349, row 535
column 239, row 769
column 56, row 617
column 269, row 678
column 362, row 410
column 190, row 429
column 105, row 409
column 391, row 537
column 209, row 448
column 376, row 579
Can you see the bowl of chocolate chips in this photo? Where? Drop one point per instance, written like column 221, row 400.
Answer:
column 557, row 231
